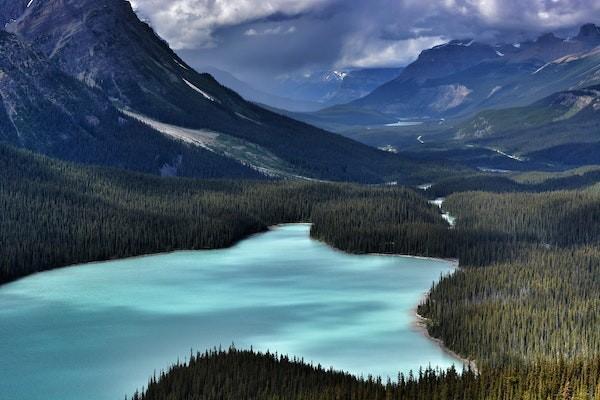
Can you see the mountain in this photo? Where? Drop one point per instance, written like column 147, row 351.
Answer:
column 103, row 45
column 359, row 83
column 561, row 128
column 462, row 77
column 254, row 95
column 549, row 47
column 328, row 88
column 445, row 59
column 11, row 9
column 45, row 110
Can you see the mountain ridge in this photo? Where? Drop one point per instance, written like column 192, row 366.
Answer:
column 45, row 110
column 463, row 76
column 104, row 45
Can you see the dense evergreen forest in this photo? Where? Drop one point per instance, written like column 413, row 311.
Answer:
column 235, row 375
column 526, row 182
column 55, row 214
column 540, row 299
column 524, row 304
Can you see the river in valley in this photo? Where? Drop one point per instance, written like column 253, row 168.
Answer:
column 99, row 331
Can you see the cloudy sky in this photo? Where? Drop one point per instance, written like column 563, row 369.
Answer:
column 260, row 39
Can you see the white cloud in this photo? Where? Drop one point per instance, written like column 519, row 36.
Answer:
column 346, row 33
column 191, row 23
column 277, row 30
column 359, row 53
column 525, row 14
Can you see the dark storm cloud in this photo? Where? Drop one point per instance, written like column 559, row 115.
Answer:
column 278, row 37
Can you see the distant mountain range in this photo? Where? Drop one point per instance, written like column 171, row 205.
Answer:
column 327, row 88
column 308, row 92
column 86, row 80
column 463, row 77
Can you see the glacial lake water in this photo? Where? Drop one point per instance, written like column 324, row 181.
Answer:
column 99, row 331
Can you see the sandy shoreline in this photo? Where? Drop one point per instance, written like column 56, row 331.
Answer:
column 420, row 324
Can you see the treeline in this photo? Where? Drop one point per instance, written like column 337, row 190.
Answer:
column 504, row 184
column 235, row 375
column 389, row 224
column 528, row 288
column 566, row 218
column 542, row 307
column 540, row 300
column 55, row 214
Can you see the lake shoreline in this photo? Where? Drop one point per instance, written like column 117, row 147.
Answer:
column 419, row 322
column 270, row 291
column 420, row 325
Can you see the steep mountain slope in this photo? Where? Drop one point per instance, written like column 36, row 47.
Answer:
column 44, row 110
column 11, row 9
column 564, row 127
column 103, row 44
column 255, row 95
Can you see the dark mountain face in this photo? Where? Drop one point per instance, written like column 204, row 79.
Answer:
column 447, row 59
column 11, row 9
column 102, row 44
column 589, row 33
column 45, row 110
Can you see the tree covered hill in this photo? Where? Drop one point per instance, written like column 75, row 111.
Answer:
column 543, row 129
column 56, row 214
column 237, row 374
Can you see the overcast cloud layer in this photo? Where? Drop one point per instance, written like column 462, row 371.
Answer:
column 261, row 38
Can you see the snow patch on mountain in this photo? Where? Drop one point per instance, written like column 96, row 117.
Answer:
column 202, row 92
column 181, row 65
column 494, row 91
column 248, row 118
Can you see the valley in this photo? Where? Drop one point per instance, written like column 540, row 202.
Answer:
column 246, row 200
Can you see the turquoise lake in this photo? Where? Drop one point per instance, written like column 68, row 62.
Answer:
column 99, row 331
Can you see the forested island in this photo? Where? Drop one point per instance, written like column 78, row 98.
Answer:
column 523, row 305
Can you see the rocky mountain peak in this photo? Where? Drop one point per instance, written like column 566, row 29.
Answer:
column 548, row 38
column 589, row 33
